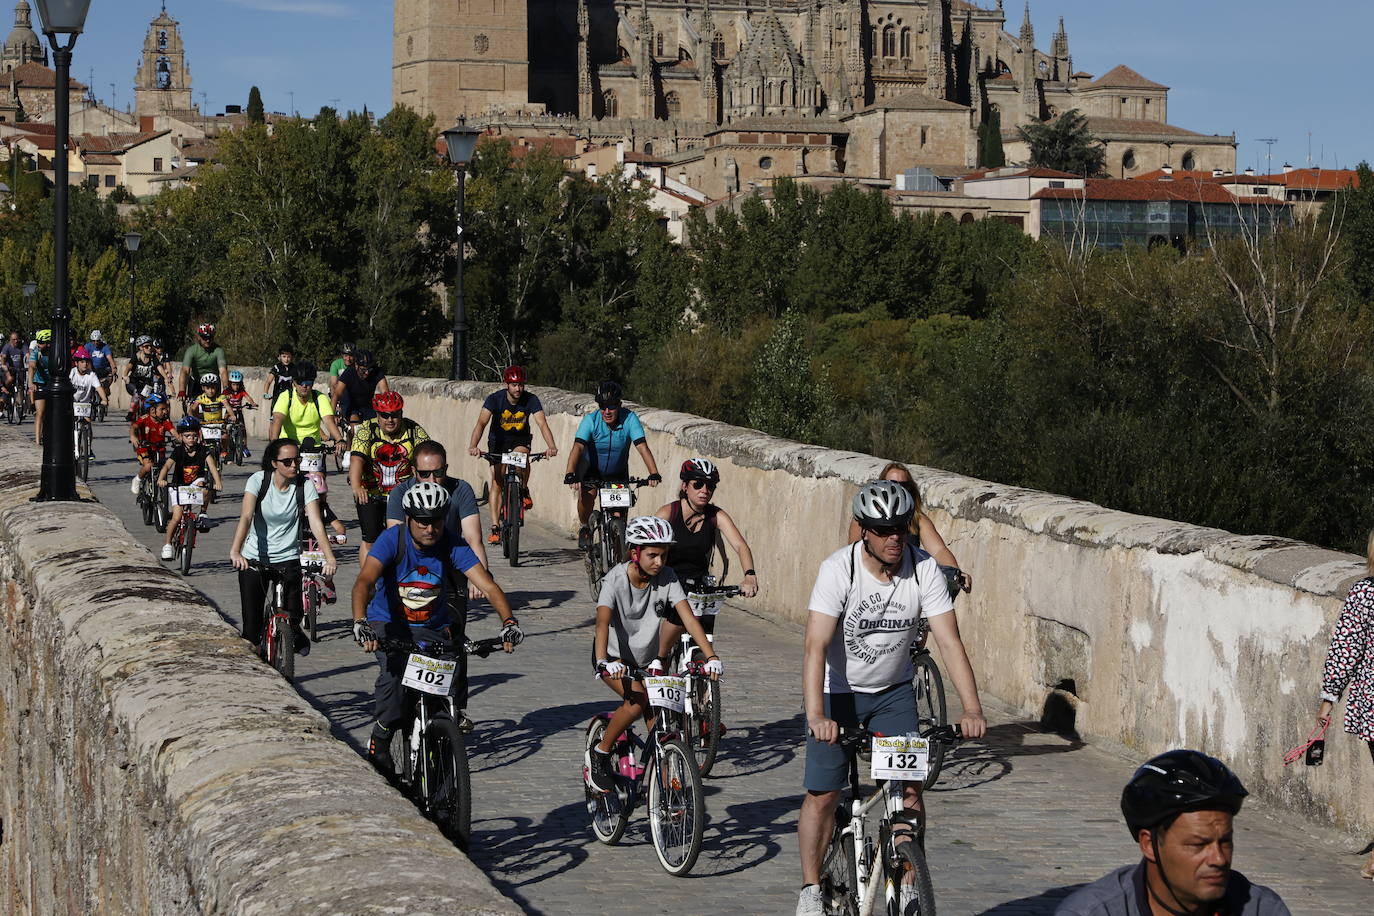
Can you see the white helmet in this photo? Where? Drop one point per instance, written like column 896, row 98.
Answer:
column 883, row 504
column 209, row 378
column 426, row 499
column 648, row 529
column 95, row 335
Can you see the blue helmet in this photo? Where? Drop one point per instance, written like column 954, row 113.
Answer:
column 154, row 398
column 235, row 375
column 186, row 423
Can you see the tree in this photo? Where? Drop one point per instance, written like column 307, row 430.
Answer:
column 256, row 114
column 1353, row 210
column 990, row 152
column 787, row 400
column 1066, row 145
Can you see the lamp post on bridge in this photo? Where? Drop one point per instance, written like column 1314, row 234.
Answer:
column 460, row 141
column 58, row 476
column 131, row 242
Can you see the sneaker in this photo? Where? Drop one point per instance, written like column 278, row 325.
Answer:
column 600, row 770
column 202, row 524
column 167, row 552
column 495, row 536
column 465, row 724
column 529, row 503
column 584, row 538
column 302, row 641
column 379, row 752
column 338, row 539
column 135, row 485
column 810, row 903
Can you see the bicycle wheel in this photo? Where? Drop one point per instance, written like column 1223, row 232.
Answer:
column 161, row 514
column 609, row 811
column 83, row 451
column 186, row 542
column 593, row 556
column 704, row 723
column 311, row 600
column 904, row 867
column 677, row 814
column 283, row 645
column 514, row 506
column 839, row 878
column 145, row 503
column 615, row 542
column 930, row 708
column 445, row 789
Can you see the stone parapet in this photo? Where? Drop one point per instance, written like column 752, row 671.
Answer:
column 149, row 764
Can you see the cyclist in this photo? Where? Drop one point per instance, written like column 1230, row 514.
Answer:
column 102, row 359
column 602, row 449
column 866, row 606
column 145, row 375
column 635, row 597
column 12, row 360
column 149, row 434
column 513, row 409
column 40, row 366
column 86, row 387
column 201, row 358
column 281, row 375
column 340, row 363
column 923, row 531
column 409, row 564
column 383, row 450
column 302, row 412
column 431, row 463
column 278, row 502
column 352, row 393
column 212, row 408
column 237, row 393
column 1179, row 808
column 190, row 462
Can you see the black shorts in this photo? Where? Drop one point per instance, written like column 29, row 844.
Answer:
column 501, row 446
column 40, row 394
column 372, row 518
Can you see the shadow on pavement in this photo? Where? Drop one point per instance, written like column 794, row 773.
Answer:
column 516, row 851
column 497, row 743
column 991, row 758
column 746, row 836
column 753, row 749
column 1040, row 905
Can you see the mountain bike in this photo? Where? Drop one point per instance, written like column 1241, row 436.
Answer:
column 82, row 412
column 863, row 871
column 615, row 498
column 238, row 438
column 431, row 757
column 192, row 501
column 660, row 767
column 8, row 404
column 701, row 697
column 150, row 500
column 316, row 587
column 513, row 507
column 278, row 638
column 931, row 708
column 216, row 437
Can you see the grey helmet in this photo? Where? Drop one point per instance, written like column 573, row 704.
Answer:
column 883, row 504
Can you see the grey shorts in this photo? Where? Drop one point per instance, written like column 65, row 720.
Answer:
column 888, row 712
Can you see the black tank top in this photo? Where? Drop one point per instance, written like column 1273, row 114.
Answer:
column 690, row 555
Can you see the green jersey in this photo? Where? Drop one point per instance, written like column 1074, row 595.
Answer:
column 202, row 361
column 336, row 368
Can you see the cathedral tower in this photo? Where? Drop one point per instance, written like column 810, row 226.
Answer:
column 163, row 82
column 461, row 57
column 23, row 45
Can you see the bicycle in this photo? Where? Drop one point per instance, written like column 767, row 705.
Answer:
column 513, row 508
column 19, row 406
column 662, row 766
column 931, row 708
column 215, row 436
column 151, row 502
column 606, row 524
column 238, row 437
column 316, row 587
column 192, row 501
column 279, row 638
column 430, row 754
column 862, row 874
column 701, row 697
column 82, row 412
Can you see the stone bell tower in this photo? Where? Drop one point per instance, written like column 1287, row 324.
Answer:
column 163, row 82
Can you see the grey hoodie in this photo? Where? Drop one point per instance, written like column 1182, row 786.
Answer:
column 1123, row 893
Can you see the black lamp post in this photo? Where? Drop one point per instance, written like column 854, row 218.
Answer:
column 58, row 481
column 460, row 141
column 131, row 243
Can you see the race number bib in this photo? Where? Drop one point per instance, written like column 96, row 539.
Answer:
column 705, row 605
column 430, row 675
column 665, row 691
column 312, row 463
column 900, row 757
column 516, row 459
column 312, row 558
column 188, row 496
column 81, row 410
column 211, row 433
column 617, row 497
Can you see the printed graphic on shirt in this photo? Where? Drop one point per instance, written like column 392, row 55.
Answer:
column 879, row 624
column 514, row 420
column 419, row 592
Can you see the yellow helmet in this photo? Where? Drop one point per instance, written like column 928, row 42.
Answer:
column 44, row 336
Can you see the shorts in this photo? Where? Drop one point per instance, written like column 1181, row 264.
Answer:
column 40, row 393
column 585, row 470
column 891, row 712
column 102, row 372
column 508, row 444
column 372, row 518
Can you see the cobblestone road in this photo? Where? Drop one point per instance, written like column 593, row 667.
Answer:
column 1019, row 820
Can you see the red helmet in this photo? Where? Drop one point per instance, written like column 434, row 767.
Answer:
column 514, row 375
column 206, row 330
column 387, row 402
column 81, row 353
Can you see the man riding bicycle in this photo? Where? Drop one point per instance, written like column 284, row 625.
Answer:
column 512, row 410
column 12, row 357
column 865, row 610
column 102, row 359
column 413, row 563
column 383, row 456
column 352, row 394
column 340, row 363
column 602, row 451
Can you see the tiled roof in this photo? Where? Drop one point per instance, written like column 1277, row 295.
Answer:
column 1018, row 173
column 1129, row 189
column 36, row 76
column 915, row 100
column 100, row 159
column 201, row 150
column 1121, row 128
column 1317, row 179
column 1123, row 77
column 116, row 143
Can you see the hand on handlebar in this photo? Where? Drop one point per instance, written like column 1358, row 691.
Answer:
column 825, row 730
column 616, row 669
column 238, row 559
column 364, row 635
column 474, row 451
column 973, row 725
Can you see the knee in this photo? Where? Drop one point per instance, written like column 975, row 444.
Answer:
column 817, row 803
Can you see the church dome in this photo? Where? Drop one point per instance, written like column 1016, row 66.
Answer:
column 23, row 37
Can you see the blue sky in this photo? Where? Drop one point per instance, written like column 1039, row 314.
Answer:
column 1260, row 68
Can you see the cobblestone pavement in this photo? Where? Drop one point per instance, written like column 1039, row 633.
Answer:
column 1019, row 820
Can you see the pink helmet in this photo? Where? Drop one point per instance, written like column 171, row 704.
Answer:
column 81, row 353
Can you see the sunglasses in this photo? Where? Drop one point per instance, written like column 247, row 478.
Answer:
column 427, row 522
column 888, row 531
column 702, row 485
column 389, row 414
column 436, row 473
column 289, row 461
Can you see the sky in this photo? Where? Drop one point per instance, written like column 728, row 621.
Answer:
column 1256, row 68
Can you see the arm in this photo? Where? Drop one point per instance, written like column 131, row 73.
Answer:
column 278, row 420
column 336, row 390
column 213, row 465
column 643, row 447
column 1349, row 642
column 483, row 418
column 383, row 384
column 945, row 627
column 933, row 544
column 693, row 626
column 574, row 456
column 472, row 533
column 362, row 593
column 162, row 474
column 332, row 426
column 355, row 478
column 133, row 435
column 603, row 632
column 820, row 628
column 549, row 445
column 271, row 383
column 250, row 502
column 749, row 585
column 486, row 583
column 665, row 511
column 182, row 376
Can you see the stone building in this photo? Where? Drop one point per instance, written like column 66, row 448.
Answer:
column 163, row 82
column 23, row 46
column 741, row 91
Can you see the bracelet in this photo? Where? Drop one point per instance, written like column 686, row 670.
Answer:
column 510, row 622
column 716, row 657
column 750, row 572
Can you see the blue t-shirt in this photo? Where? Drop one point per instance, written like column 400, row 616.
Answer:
column 413, row 588
column 101, row 357
column 608, row 447
column 462, row 503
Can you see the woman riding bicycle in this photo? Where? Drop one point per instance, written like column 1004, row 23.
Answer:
column 273, row 500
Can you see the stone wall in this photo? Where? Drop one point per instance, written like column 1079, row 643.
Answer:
column 150, row 765
column 1170, row 634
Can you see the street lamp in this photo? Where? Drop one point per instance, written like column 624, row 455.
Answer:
column 131, row 242
column 58, row 479
column 460, row 140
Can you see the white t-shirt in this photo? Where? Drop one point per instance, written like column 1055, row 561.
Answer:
column 870, row 649
column 85, row 386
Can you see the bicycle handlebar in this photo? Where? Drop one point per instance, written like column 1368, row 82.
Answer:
column 596, row 483
column 443, row 651
column 714, row 591
column 950, row 735
column 494, row 457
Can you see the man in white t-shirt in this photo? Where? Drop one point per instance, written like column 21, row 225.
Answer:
column 866, row 607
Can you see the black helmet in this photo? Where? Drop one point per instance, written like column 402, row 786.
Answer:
column 304, row 373
column 347, row 348
column 1176, row 782
column 608, row 394
column 362, row 359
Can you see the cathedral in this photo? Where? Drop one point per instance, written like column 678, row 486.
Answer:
column 734, row 91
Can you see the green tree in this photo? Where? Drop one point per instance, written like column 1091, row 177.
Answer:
column 788, row 399
column 990, row 152
column 256, row 114
column 1352, row 211
column 1067, row 145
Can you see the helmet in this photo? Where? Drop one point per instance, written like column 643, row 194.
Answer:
column 362, row 358
column 883, row 503
column 206, row 330
column 43, row 336
column 648, row 529
column 210, row 378
column 304, row 374
column 186, row 423
column 157, row 342
column 1175, row 782
column 426, row 500
column 235, row 375
column 699, row 469
column 153, row 399
column 95, row 335
column 347, row 348
column 81, row 353
column 311, row 445
column 608, row 394
column 287, row 348
column 514, row 375
column 143, row 341
column 387, row 402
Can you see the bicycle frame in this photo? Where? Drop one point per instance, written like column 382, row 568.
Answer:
column 855, row 832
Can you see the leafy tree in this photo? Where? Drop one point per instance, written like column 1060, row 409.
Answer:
column 787, row 399
column 990, row 152
column 256, row 114
column 1066, row 144
column 1352, row 210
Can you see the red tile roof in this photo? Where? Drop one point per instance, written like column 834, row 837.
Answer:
column 116, row 143
column 36, row 76
column 1123, row 77
column 1130, row 189
column 1317, row 179
column 1185, row 175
